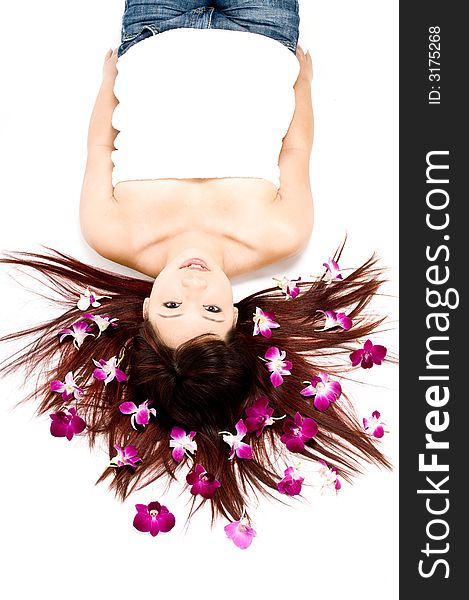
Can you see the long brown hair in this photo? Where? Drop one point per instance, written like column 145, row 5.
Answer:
column 205, row 384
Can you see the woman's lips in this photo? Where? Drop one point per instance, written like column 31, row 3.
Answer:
column 195, row 263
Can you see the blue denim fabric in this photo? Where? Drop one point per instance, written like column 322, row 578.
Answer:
column 277, row 19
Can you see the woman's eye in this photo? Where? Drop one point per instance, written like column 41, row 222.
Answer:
column 171, row 304
column 212, row 308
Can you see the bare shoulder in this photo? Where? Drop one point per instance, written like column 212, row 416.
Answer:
column 289, row 230
column 104, row 230
column 291, row 221
column 270, row 224
column 280, row 233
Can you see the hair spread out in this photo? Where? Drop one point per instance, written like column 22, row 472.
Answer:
column 205, row 384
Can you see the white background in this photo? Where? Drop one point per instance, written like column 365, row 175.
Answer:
column 66, row 538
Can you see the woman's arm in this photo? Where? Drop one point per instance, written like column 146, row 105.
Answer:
column 97, row 194
column 100, row 131
column 300, row 133
column 294, row 202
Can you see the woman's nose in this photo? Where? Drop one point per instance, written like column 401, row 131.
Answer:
column 194, row 282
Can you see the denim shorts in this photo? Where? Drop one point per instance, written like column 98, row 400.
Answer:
column 277, row 19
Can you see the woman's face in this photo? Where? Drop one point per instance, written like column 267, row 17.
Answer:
column 191, row 296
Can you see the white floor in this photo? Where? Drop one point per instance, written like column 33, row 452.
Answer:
column 65, row 538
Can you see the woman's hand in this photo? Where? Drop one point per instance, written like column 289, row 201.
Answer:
column 109, row 66
column 306, row 65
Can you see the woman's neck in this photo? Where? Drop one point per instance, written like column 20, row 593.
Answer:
column 235, row 257
column 201, row 242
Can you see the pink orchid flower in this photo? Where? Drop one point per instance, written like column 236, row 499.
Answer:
column 330, row 478
column 276, row 364
column 291, row 483
column 66, row 423
column 259, row 415
column 140, row 414
column 368, row 355
column 264, row 321
column 324, row 391
column 79, row 331
column 153, row 518
column 107, row 370
column 102, row 321
column 374, row 425
column 240, row 533
column 288, row 286
column 332, row 271
column 127, row 455
column 202, row 483
column 89, row 298
column 297, row 431
column 68, row 388
column 238, row 447
column 182, row 443
column 335, row 319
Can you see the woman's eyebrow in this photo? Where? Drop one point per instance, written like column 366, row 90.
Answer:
column 181, row 314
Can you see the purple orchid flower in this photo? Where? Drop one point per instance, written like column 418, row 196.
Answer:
column 374, row 425
column 66, row 423
column 259, row 415
column 291, row 483
column 332, row 271
column 127, row 455
column 276, row 364
column 297, row 431
column 240, row 533
column 264, row 321
column 68, row 388
column 288, row 286
column 107, row 370
column 368, row 355
column 182, row 443
column 330, row 478
column 153, row 518
column 79, row 331
column 238, row 447
column 89, row 298
column 335, row 319
column 324, row 391
column 140, row 414
column 202, row 483
column 102, row 321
